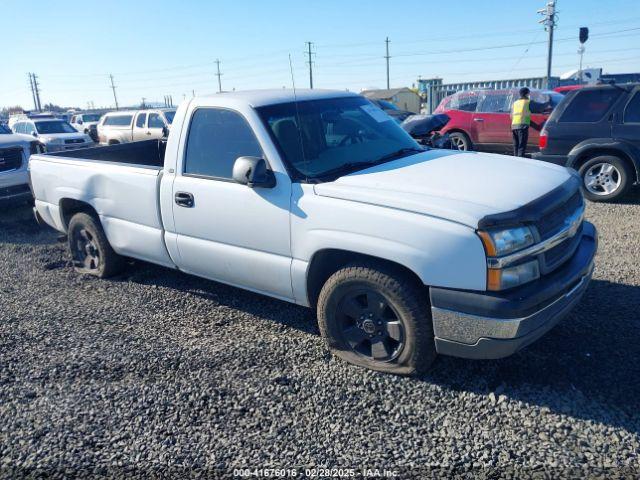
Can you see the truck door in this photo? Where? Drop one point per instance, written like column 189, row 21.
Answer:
column 140, row 127
column 226, row 231
column 627, row 123
column 493, row 120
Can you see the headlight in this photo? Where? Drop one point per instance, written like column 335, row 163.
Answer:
column 503, row 242
column 501, row 279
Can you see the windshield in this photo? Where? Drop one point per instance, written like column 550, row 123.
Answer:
column 318, row 137
column 169, row 116
column 91, row 118
column 54, row 126
column 4, row 129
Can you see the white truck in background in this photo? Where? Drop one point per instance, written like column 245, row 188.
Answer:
column 321, row 199
column 134, row 125
column 15, row 150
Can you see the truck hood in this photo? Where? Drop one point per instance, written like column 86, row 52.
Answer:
column 15, row 139
column 462, row 187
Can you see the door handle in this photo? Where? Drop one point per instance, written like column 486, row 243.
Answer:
column 148, row 133
column 478, row 119
column 184, row 199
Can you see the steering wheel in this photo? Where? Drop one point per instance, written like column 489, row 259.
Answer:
column 352, row 138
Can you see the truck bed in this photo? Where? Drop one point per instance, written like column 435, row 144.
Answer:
column 148, row 153
column 120, row 183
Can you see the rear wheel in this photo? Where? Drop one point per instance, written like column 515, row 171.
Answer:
column 377, row 317
column 605, row 178
column 460, row 141
column 90, row 250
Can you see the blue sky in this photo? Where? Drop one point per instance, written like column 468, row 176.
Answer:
column 160, row 47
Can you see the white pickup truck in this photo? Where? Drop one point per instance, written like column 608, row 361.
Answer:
column 319, row 198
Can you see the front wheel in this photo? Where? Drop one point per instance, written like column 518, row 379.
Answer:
column 377, row 317
column 90, row 250
column 460, row 141
column 605, row 178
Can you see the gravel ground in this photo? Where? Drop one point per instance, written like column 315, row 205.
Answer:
column 156, row 373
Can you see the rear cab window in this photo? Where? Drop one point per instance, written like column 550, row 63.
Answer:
column 118, row 120
column 590, row 106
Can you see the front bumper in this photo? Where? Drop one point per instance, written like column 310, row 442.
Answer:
column 495, row 325
column 556, row 159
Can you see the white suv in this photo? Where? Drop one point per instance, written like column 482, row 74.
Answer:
column 15, row 150
column 56, row 135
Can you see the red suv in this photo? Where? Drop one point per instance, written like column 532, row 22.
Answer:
column 480, row 119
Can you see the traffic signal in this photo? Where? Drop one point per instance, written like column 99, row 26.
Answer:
column 584, row 34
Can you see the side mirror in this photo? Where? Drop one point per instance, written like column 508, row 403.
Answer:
column 35, row 134
column 253, row 172
column 165, row 131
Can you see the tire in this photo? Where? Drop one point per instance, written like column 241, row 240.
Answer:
column 91, row 252
column 460, row 141
column 605, row 178
column 114, row 142
column 376, row 316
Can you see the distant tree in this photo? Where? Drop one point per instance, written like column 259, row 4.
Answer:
column 7, row 111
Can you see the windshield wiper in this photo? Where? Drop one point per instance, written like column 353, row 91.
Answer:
column 353, row 166
column 399, row 153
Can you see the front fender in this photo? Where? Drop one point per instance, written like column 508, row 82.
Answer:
column 440, row 252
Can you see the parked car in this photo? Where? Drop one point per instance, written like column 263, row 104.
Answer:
column 319, row 198
column 481, row 119
column 56, row 135
column 392, row 110
column 134, row 125
column 15, row 150
column 82, row 122
column 567, row 88
column 596, row 130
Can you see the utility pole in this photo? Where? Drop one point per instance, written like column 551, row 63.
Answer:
column 310, row 62
column 387, row 57
column 36, row 88
column 33, row 91
column 113, row 87
column 143, row 105
column 549, row 22
column 219, row 75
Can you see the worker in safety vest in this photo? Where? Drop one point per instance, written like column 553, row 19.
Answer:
column 520, row 121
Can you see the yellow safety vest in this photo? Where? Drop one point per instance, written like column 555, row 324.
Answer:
column 520, row 113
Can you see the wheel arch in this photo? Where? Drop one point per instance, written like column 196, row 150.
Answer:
column 582, row 153
column 326, row 262
column 70, row 206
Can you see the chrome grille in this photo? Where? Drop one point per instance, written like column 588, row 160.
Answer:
column 10, row 159
column 553, row 222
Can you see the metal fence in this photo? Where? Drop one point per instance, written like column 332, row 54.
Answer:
column 433, row 90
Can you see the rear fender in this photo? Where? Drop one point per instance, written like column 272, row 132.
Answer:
column 604, row 146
